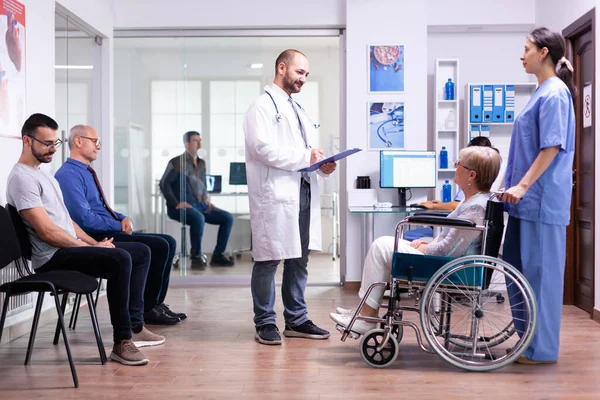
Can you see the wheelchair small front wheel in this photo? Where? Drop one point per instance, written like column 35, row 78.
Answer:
column 372, row 353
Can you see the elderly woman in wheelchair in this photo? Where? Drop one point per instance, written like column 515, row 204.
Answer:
column 450, row 279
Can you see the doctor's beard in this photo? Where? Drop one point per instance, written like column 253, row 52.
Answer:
column 290, row 85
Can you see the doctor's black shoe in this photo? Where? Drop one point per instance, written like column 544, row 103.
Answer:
column 307, row 330
column 219, row 260
column 268, row 334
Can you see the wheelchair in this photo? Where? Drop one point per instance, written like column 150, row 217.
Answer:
column 459, row 315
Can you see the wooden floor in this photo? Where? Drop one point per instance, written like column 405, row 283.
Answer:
column 212, row 355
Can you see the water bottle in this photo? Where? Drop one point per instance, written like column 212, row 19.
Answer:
column 443, row 158
column 449, row 89
column 446, row 192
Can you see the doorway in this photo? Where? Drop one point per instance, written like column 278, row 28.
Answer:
column 579, row 271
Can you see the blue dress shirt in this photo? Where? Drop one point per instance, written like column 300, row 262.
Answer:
column 83, row 199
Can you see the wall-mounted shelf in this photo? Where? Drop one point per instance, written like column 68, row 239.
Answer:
column 446, row 119
column 499, row 133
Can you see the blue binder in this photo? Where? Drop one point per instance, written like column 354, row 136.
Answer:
column 476, row 104
column 509, row 102
column 498, row 106
column 488, row 102
column 484, row 130
column 473, row 132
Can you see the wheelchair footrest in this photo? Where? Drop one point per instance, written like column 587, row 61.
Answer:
column 353, row 334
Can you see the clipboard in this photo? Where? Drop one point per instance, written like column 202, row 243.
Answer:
column 335, row 157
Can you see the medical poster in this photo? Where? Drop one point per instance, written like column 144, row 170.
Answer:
column 386, row 69
column 12, row 68
column 386, row 126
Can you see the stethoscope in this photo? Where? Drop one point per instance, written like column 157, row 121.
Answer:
column 278, row 116
column 397, row 116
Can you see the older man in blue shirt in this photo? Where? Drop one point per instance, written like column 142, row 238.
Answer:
column 88, row 207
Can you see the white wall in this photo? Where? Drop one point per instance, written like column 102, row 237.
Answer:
column 481, row 12
column 367, row 25
column 557, row 15
column 228, row 14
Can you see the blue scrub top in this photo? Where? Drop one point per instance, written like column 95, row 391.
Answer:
column 547, row 120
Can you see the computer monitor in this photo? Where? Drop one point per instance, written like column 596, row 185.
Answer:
column 404, row 169
column 213, row 183
column 237, row 173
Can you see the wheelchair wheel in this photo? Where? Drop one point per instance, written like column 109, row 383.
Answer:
column 378, row 358
column 473, row 331
column 397, row 331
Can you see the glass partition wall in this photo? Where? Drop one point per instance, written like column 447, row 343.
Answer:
column 74, row 64
column 166, row 86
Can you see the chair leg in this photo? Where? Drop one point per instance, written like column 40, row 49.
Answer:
column 73, row 311
column 76, row 311
column 61, row 324
column 63, row 307
column 96, row 327
column 34, row 326
column 98, row 293
column 4, row 311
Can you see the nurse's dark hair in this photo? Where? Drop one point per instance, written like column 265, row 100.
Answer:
column 36, row 121
column 555, row 43
column 188, row 136
column 286, row 57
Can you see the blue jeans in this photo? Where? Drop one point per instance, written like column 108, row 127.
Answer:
column 196, row 220
column 162, row 249
column 295, row 275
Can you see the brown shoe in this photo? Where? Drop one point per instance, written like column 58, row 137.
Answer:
column 127, row 353
column 527, row 361
column 146, row 338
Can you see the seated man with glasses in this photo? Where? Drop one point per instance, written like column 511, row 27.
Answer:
column 89, row 208
column 58, row 243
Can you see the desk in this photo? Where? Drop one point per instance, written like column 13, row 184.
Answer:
column 368, row 221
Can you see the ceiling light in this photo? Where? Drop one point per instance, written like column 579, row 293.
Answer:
column 256, row 66
column 74, row 67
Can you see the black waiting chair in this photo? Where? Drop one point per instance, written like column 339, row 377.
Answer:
column 16, row 248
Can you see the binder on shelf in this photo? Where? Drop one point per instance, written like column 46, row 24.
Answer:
column 473, row 132
column 509, row 102
column 498, row 104
column 476, row 103
column 484, row 130
column 488, row 102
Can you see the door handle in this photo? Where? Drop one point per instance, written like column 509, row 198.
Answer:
column 574, row 178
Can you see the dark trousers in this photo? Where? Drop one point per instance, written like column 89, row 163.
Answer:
column 125, row 268
column 196, row 220
column 162, row 250
column 295, row 276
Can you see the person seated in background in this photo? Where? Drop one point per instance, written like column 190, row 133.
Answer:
column 184, row 186
column 476, row 170
column 88, row 207
column 451, row 205
column 58, row 243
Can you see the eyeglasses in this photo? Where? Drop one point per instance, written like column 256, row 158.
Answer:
column 458, row 164
column 56, row 144
column 96, row 141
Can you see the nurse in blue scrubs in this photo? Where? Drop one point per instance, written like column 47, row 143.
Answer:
column 539, row 182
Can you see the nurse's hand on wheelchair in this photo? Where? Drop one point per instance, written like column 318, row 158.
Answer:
column 514, row 194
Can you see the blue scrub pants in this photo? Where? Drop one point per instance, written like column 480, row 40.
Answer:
column 538, row 250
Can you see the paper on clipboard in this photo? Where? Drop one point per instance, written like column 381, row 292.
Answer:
column 335, row 157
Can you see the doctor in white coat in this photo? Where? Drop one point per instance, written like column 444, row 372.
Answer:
column 285, row 213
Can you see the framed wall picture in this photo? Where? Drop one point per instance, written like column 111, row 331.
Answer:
column 386, row 68
column 386, row 125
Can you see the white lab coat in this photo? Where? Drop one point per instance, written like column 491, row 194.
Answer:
column 275, row 151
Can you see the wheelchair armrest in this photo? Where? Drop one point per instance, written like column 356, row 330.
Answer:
column 432, row 213
column 440, row 221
